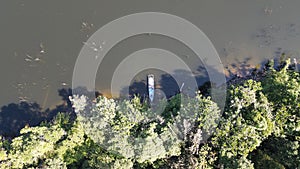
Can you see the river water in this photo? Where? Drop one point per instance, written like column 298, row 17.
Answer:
column 40, row 40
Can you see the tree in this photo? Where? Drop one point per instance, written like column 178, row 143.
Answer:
column 281, row 151
column 282, row 88
column 48, row 146
column 246, row 123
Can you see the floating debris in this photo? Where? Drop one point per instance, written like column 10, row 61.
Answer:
column 268, row 11
column 296, row 65
column 85, row 26
column 93, row 46
column 295, row 61
column 181, row 87
column 64, row 84
column 28, row 60
column 42, row 48
column 32, row 59
column 37, row 59
column 95, row 49
column 29, row 56
column 23, row 99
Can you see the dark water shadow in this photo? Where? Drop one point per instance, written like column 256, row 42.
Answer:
column 243, row 69
column 185, row 83
column 15, row 116
column 167, row 84
column 138, row 88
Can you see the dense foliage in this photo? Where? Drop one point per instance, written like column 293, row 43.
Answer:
column 260, row 128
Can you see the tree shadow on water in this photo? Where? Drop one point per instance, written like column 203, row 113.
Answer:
column 137, row 88
column 15, row 116
column 183, row 81
column 168, row 84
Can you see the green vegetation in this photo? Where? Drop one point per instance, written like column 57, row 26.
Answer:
column 260, row 128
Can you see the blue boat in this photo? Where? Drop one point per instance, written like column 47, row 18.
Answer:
column 151, row 87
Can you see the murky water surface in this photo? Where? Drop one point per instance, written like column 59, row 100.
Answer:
column 40, row 40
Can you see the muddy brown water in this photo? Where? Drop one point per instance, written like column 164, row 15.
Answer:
column 40, row 40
